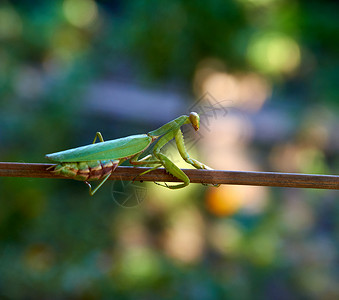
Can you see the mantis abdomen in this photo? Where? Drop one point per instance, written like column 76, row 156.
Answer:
column 86, row 170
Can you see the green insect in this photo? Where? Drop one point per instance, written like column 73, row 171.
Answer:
column 98, row 160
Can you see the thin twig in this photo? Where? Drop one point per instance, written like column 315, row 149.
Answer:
column 196, row 176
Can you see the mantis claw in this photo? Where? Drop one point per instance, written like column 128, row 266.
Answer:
column 211, row 184
column 50, row 167
column 89, row 185
column 164, row 185
column 135, row 178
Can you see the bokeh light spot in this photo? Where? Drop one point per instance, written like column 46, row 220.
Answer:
column 258, row 2
column 184, row 240
column 80, row 13
column 139, row 266
column 274, row 53
column 39, row 257
column 223, row 201
column 226, row 236
column 247, row 91
column 10, row 23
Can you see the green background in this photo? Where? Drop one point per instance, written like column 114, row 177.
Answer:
column 56, row 242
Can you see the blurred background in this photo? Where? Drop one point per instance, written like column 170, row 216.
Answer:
column 264, row 76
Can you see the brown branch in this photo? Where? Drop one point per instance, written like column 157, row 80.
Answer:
column 196, row 176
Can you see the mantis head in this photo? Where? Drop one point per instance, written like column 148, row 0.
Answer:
column 195, row 120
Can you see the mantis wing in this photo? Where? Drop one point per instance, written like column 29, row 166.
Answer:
column 114, row 149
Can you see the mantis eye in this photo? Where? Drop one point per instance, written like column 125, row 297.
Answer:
column 195, row 120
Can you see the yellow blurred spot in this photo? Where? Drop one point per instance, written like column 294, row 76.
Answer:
column 10, row 23
column 66, row 44
column 284, row 157
column 254, row 90
column 312, row 160
column 221, row 85
column 258, row 2
column 298, row 158
column 262, row 249
column 248, row 91
column 80, row 13
column 184, row 238
column 129, row 231
column 39, row 257
column 274, row 53
column 226, row 236
column 223, row 201
column 138, row 266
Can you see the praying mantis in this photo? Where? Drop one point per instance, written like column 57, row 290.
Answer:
column 98, row 160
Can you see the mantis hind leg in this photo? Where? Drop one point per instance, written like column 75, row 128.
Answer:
column 98, row 135
column 92, row 192
column 179, row 139
column 145, row 161
column 52, row 166
column 147, row 171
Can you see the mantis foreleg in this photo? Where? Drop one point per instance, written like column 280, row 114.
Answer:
column 169, row 166
column 179, row 139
